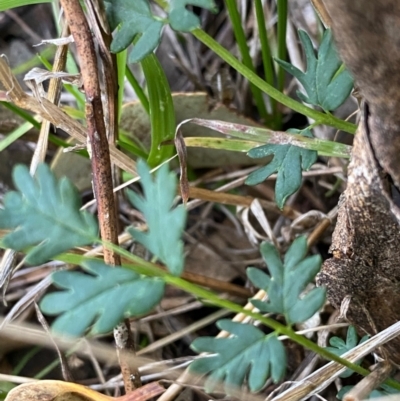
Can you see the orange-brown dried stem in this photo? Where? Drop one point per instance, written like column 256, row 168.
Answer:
column 101, row 166
column 98, row 145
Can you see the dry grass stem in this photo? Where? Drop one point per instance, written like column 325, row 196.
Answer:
column 55, row 115
column 362, row 390
column 323, row 377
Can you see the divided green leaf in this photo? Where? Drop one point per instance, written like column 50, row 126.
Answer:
column 44, row 215
column 326, row 81
column 133, row 18
column 339, row 347
column 184, row 20
column 104, row 296
column 248, row 353
column 165, row 223
column 288, row 163
column 288, row 281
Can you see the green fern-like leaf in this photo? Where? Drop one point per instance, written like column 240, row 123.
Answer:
column 248, row 353
column 44, row 216
column 104, row 296
column 326, row 81
column 184, row 20
column 287, row 282
column 339, row 347
column 165, row 223
column 133, row 18
column 288, row 163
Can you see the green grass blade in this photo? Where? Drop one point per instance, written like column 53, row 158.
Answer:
column 162, row 115
column 233, row 145
column 121, row 71
column 245, row 53
column 48, row 52
column 22, row 113
column 265, row 51
column 254, row 136
column 282, row 24
column 126, row 143
column 138, row 90
column 7, row 4
column 14, row 135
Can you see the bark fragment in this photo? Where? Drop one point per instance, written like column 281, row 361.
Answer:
column 365, row 247
column 366, row 242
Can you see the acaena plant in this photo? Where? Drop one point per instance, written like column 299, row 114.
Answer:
column 44, row 212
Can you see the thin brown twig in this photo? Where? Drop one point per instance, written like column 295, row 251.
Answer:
column 100, row 158
column 99, row 25
column 97, row 136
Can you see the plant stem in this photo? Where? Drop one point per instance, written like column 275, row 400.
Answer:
column 22, row 113
column 282, row 23
column 97, row 138
column 265, row 52
column 245, row 53
column 98, row 144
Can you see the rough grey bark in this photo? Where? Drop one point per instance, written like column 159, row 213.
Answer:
column 365, row 267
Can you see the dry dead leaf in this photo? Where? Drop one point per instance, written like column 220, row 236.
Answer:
column 57, row 42
column 39, row 75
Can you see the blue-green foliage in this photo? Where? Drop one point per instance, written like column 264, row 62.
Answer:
column 103, row 296
column 289, row 161
column 248, row 353
column 287, row 281
column 165, row 223
column 326, row 82
column 44, row 216
column 339, row 347
column 134, row 19
column 184, row 20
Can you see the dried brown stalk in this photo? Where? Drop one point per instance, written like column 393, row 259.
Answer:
column 98, row 147
column 364, row 388
column 97, row 135
column 99, row 25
